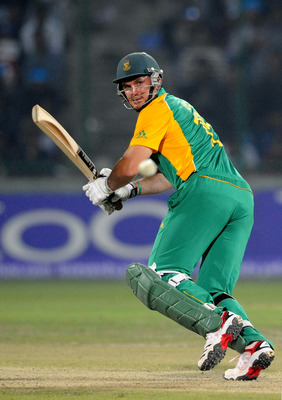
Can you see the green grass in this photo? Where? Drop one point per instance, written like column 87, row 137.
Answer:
column 95, row 340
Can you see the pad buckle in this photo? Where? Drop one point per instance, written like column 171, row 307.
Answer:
column 178, row 278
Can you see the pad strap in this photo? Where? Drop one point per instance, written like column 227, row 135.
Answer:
column 174, row 280
column 221, row 297
column 178, row 278
column 247, row 324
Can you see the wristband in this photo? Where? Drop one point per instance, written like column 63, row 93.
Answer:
column 140, row 188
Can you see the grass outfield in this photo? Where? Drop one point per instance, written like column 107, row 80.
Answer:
column 95, row 340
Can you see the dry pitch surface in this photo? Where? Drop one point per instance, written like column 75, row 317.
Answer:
column 93, row 352
column 170, row 367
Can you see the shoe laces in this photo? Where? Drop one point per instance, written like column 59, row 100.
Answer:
column 243, row 360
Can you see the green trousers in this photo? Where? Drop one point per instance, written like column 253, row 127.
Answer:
column 209, row 220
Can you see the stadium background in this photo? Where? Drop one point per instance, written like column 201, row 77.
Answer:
column 223, row 56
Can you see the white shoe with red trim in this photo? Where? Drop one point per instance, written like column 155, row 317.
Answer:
column 256, row 357
column 217, row 342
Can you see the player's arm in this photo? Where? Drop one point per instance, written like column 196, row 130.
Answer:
column 123, row 172
column 153, row 185
column 126, row 168
column 145, row 186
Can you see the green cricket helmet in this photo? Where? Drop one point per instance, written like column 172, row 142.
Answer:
column 137, row 64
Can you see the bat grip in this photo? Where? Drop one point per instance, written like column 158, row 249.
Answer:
column 117, row 204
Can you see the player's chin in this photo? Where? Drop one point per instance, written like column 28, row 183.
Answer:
column 137, row 105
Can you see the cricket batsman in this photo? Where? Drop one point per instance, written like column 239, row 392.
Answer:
column 209, row 218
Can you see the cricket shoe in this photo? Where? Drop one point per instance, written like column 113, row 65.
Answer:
column 217, row 342
column 256, row 357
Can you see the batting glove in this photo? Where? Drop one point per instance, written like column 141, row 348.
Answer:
column 125, row 192
column 105, row 172
column 98, row 191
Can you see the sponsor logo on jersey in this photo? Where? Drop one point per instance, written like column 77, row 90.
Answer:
column 126, row 65
column 141, row 135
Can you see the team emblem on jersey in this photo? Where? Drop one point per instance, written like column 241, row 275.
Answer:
column 141, row 135
column 126, row 65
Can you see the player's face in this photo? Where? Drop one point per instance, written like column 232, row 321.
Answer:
column 137, row 91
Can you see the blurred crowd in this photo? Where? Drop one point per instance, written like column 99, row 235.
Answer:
column 223, row 56
column 231, row 72
column 228, row 59
column 33, row 43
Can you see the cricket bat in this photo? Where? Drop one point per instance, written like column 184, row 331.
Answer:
column 52, row 128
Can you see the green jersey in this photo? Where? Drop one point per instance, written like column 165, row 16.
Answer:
column 181, row 140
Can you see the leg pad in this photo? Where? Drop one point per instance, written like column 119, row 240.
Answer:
column 162, row 297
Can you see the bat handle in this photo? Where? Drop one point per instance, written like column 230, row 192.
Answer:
column 117, row 204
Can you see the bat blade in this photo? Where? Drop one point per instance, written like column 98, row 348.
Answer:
column 52, row 128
